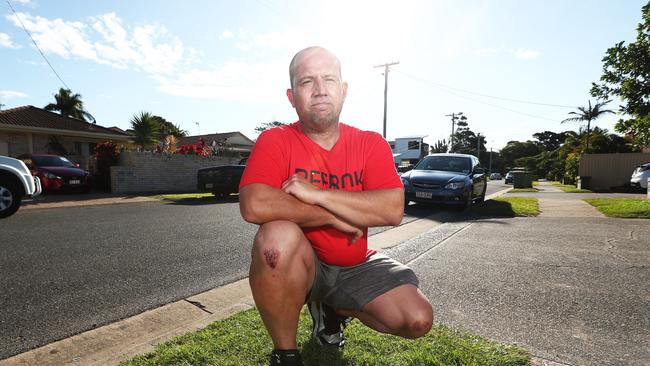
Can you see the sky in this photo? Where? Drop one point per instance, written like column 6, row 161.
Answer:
column 512, row 67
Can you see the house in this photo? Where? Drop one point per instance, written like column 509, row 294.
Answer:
column 31, row 130
column 237, row 142
column 409, row 150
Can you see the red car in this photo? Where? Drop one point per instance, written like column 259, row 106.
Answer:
column 57, row 173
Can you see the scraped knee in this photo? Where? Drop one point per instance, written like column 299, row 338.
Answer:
column 276, row 241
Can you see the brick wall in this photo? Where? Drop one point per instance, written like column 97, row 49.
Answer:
column 145, row 172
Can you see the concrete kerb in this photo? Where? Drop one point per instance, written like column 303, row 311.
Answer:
column 116, row 342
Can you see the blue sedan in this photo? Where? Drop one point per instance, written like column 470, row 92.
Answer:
column 454, row 179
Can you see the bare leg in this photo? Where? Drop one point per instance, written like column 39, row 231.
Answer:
column 402, row 311
column 282, row 272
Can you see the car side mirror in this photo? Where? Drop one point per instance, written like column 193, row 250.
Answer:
column 479, row 171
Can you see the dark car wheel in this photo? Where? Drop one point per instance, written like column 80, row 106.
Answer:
column 466, row 204
column 10, row 197
column 481, row 198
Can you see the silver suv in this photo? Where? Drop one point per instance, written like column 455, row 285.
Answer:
column 16, row 182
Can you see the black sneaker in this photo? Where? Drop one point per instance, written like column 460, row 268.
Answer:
column 290, row 357
column 328, row 325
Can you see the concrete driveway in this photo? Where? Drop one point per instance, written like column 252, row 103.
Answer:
column 572, row 290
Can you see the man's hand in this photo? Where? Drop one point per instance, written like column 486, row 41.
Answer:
column 306, row 192
column 300, row 188
column 354, row 232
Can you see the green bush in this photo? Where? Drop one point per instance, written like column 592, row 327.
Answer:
column 107, row 154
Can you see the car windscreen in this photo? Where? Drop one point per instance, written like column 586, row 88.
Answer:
column 52, row 161
column 445, row 163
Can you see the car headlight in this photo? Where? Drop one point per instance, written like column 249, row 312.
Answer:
column 455, row 185
column 405, row 182
column 49, row 175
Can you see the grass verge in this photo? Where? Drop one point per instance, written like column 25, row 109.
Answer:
column 569, row 188
column 622, row 207
column 183, row 196
column 507, row 207
column 242, row 340
column 518, row 190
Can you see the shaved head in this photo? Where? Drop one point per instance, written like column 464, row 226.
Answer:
column 307, row 52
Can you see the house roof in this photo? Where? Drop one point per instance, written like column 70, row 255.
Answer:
column 234, row 138
column 36, row 118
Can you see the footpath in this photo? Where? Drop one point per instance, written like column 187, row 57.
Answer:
column 570, row 285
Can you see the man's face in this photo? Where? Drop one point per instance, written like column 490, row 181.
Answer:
column 317, row 91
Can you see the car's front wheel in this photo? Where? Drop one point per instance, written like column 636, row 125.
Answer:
column 467, row 203
column 481, row 198
column 10, row 197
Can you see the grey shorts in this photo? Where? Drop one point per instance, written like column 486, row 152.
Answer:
column 355, row 286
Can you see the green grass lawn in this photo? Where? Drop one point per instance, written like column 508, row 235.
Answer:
column 569, row 188
column 517, row 190
column 622, row 207
column 184, row 196
column 242, row 340
column 507, row 207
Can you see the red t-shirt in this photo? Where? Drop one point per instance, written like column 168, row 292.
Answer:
column 359, row 161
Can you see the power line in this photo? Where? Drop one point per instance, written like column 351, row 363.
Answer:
column 35, row 44
column 492, row 105
column 485, row 95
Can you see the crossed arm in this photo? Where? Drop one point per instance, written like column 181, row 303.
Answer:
column 309, row 206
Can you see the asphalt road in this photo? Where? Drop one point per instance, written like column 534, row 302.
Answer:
column 67, row 270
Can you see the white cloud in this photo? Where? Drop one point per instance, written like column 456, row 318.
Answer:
column 226, row 34
column 106, row 41
column 22, row 2
column 9, row 94
column 526, row 54
column 232, row 81
column 5, row 41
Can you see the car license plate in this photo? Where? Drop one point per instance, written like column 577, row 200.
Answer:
column 208, row 185
column 75, row 181
column 423, row 194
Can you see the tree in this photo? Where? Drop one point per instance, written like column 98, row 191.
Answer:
column 166, row 128
column 266, row 125
column 626, row 74
column 440, row 146
column 550, row 140
column 588, row 114
column 145, row 128
column 69, row 105
column 515, row 150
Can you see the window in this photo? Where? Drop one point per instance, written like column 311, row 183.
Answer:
column 414, row 145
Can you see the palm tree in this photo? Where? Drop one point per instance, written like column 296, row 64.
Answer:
column 69, row 105
column 588, row 114
column 145, row 128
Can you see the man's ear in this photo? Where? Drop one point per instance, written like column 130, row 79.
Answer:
column 345, row 89
column 290, row 96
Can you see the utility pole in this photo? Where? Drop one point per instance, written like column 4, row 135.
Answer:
column 198, row 127
column 385, row 66
column 478, row 145
column 490, row 168
column 454, row 118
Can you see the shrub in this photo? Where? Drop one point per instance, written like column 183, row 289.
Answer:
column 107, row 154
